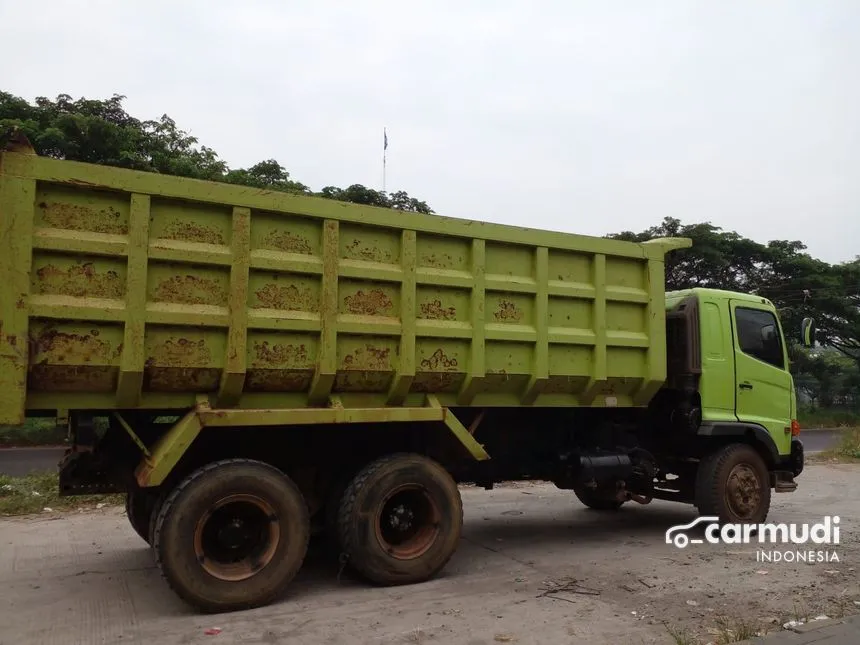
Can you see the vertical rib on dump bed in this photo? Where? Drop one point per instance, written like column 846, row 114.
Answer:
column 123, row 289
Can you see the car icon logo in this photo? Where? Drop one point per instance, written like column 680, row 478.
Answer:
column 676, row 534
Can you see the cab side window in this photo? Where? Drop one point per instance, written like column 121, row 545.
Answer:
column 758, row 336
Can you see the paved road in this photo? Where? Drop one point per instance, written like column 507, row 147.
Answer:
column 533, row 567
column 820, row 440
column 22, row 461
column 18, row 462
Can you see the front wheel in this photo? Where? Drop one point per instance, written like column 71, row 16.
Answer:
column 400, row 519
column 232, row 535
column 733, row 485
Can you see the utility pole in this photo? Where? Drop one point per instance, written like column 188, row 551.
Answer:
column 384, row 156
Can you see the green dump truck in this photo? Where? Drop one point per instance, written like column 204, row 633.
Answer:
column 249, row 366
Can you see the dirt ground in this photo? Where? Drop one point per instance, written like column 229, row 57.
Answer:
column 86, row 578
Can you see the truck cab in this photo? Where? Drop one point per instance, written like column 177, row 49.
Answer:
column 728, row 362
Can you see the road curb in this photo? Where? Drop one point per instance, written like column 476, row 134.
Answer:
column 833, row 631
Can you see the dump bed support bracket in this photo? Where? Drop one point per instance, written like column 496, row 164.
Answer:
column 169, row 449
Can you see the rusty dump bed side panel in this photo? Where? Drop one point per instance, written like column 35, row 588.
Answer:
column 124, row 290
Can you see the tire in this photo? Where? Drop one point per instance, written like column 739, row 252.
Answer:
column 332, row 508
column 232, row 535
column 157, row 503
column 406, row 488
column 733, row 484
column 139, row 509
column 596, row 500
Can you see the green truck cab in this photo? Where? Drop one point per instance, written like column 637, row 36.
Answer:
column 728, row 355
column 250, row 367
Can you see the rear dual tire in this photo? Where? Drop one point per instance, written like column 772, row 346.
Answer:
column 232, row 535
column 139, row 508
column 400, row 519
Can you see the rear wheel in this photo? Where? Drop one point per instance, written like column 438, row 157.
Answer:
column 232, row 535
column 139, row 506
column 400, row 519
column 733, row 485
column 596, row 499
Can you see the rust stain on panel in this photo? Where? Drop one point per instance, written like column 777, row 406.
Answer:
column 288, row 242
column 370, row 303
column 75, row 217
column 266, row 380
column 72, row 362
column 181, row 379
column 287, row 298
column 439, row 362
column 52, row 346
column 440, row 261
column 280, row 355
column 180, row 352
column 508, row 312
column 191, row 290
column 368, row 381
column 181, row 365
column 358, row 251
column 429, row 383
column 192, row 232
column 81, row 281
column 72, row 378
column 435, row 311
column 369, row 358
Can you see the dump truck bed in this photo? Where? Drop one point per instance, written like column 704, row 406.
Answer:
column 124, row 289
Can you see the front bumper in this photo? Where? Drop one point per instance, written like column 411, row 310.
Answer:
column 796, row 459
column 789, row 467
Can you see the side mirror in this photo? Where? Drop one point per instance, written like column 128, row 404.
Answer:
column 807, row 332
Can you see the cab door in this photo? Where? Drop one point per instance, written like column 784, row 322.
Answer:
column 762, row 380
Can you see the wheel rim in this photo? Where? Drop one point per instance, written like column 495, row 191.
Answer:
column 407, row 523
column 743, row 492
column 237, row 537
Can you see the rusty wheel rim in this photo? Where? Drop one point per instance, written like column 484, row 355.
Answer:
column 407, row 523
column 743, row 493
column 237, row 537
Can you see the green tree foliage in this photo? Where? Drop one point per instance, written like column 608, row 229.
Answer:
column 102, row 132
column 799, row 285
column 717, row 260
column 827, row 377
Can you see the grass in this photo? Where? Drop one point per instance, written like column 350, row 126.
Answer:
column 682, row 635
column 735, row 630
column 848, row 449
column 828, row 418
column 34, row 432
column 727, row 630
column 34, row 493
column 801, row 610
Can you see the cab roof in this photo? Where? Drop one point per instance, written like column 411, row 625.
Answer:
column 717, row 294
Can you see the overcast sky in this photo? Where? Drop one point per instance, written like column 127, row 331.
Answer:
column 589, row 117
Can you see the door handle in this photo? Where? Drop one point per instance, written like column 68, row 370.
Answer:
column 746, row 386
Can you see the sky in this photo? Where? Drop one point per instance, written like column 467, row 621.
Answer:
column 586, row 117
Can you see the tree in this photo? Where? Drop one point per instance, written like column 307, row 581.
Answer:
column 359, row 194
column 266, row 174
column 799, row 285
column 102, row 132
column 717, row 259
column 827, row 377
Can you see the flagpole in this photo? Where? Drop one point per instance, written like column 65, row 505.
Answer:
column 384, row 156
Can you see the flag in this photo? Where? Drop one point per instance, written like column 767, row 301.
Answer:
column 384, row 139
